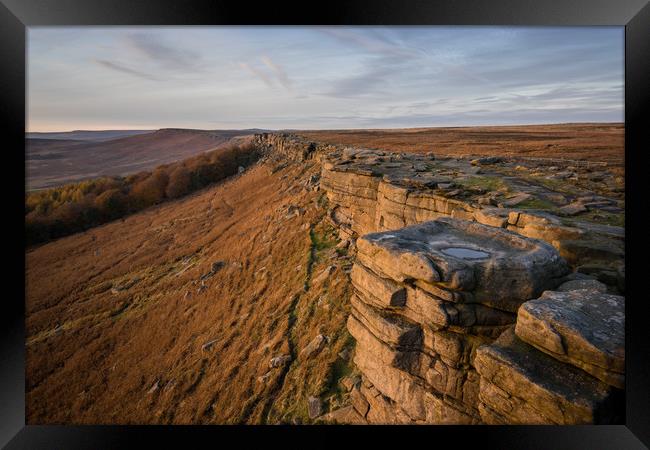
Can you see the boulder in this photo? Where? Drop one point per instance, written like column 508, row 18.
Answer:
column 574, row 285
column 486, row 160
column 501, row 269
column 315, row 346
column 572, row 209
column 279, row 361
column 314, row 407
column 585, row 328
column 516, row 199
column 324, row 275
column 535, row 388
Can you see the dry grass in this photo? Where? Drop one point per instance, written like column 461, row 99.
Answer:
column 108, row 317
column 593, row 142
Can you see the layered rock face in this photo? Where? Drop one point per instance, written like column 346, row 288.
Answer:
column 466, row 313
column 563, row 362
column 426, row 297
column 377, row 191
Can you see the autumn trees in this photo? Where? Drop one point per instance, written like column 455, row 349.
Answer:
column 67, row 209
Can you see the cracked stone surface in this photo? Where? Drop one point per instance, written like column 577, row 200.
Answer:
column 501, row 269
column 585, row 328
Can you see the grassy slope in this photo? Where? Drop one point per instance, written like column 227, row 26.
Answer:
column 113, row 336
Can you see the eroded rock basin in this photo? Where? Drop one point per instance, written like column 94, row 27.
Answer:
column 465, row 253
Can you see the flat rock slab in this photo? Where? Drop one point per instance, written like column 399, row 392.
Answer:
column 500, row 268
column 584, row 327
column 536, row 388
column 574, row 285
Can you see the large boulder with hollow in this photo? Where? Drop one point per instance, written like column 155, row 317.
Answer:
column 499, row 268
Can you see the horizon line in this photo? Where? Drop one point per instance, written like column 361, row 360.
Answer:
column 327, row 129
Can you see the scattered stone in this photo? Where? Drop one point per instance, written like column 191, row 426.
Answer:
column 345, row 354
column 314, row 407
column 217, row 265
column 572, row 209
column 596, row 176
column 294, row 211
column 343, row 244
column 324, row 275
column 264, row 378
column 516, row 199
column 315, row 346
column 556, row 198
column 208, row 345
column 154, row 388
column 279, row 361
column 453, row 193
column 486, row 201
column 445, row 185
column 486, row 160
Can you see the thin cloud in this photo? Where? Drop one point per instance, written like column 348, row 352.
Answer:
column 376, row 42
column 123, row 69
column 258, row 73
column 281, row 75
column 154, row 49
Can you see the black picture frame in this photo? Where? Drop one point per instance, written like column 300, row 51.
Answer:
column 16, row 15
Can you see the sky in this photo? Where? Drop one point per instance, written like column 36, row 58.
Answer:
column 275, row 77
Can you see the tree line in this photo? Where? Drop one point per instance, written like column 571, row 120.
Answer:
column 71, row 208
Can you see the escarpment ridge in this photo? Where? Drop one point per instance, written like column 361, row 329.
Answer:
column 480, row 295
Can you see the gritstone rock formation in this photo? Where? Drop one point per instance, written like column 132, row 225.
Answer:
column 464, row 310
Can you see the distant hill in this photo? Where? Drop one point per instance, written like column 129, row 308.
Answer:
column 86, row 135
column 53, row 159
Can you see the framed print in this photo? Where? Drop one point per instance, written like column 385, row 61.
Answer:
column 364, row 218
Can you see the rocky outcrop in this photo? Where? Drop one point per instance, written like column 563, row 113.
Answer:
column 521, row 385
column 373, row 191
column 426, row 297
column 583, row 327
column 463, row 312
